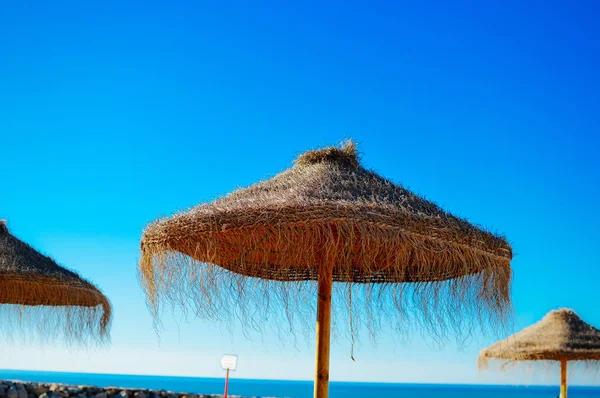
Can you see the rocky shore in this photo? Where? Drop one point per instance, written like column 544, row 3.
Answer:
column 22, row 389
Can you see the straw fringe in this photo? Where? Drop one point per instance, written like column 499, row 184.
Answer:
column 449, row 286
column 483, row 362
column 52, row 311
column 591, row 366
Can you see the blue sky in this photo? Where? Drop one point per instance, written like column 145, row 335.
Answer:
column 113, row 114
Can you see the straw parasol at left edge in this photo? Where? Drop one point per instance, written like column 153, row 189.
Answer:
column 327, row 219
column 39, row 298
column 560, row 337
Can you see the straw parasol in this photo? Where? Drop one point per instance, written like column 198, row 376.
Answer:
column 560, row 336
column 327, row 219
column 38, row 295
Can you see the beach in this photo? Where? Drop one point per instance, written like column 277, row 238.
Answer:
column 24, row 389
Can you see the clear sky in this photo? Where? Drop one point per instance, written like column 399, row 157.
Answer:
column 112, row 114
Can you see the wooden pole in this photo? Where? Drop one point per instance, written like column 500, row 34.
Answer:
column 323, row 332
column 563, row 378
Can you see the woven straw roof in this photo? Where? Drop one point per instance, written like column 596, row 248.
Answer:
column 326, row 210
column 37, row 293
column 561, row 334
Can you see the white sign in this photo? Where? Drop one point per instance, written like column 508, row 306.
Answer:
column 229, row 362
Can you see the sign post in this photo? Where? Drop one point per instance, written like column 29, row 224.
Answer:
column 228, row 362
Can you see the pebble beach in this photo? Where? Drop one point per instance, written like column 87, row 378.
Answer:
column 23, row 389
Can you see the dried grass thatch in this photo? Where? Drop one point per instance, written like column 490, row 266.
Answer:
column 37, row 296
column 560, row 335
column 397, row 256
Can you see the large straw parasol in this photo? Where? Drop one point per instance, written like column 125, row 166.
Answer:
column 327, row 219
column 560, row 336
column 38, row 295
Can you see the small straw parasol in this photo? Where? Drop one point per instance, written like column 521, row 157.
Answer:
column 38, row 295
column 327, row 219
column 560, row 336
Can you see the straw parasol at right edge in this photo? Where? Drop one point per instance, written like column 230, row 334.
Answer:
column 285, row 242
column 561, row 336
column 39, row 298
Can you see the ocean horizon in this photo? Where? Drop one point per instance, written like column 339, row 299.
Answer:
column 293, row 388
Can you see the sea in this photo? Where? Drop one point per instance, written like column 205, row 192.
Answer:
column 297, row 389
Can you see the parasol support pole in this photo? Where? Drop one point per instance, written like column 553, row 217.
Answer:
column 563, row 378
column 323, row 332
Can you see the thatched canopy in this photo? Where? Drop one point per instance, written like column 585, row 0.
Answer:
column 327, row 210
column 38, row 294
column 560, row 335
